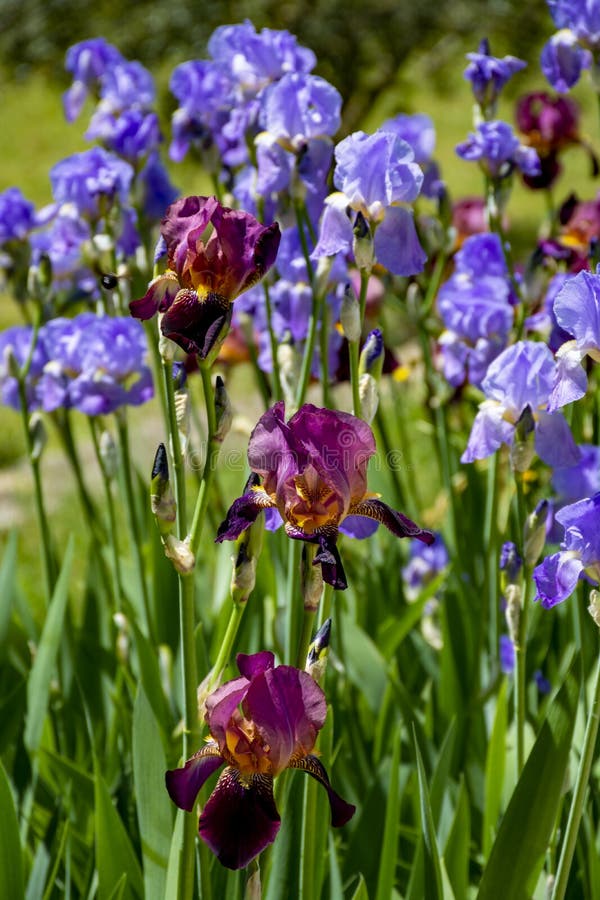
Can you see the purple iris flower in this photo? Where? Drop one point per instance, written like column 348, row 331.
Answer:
column 154, row 187
column 488, row 74
column 92, row 180
column 95, row 364
column 506, row 655
column 63, row 240
column 544, row 321
column 376, row 176
column 261, row 723
column 132, row 134
column 521, row 380
column 314, row 471
column 424, row 563
column 18, row 339
column 127, row 85
column 557, row 576
column 476, row 306
column 205, row 93
column 205, row 274
column 419, row 132
column 257, row 58
column 495, row 146
column 581, row 480
column 563, row 59
column 577, row 312
column 299, row 107
column 87, row 61
column 17, row 216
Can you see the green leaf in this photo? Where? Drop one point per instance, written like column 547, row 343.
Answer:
column 38, row 685
column 366, row 666
column 115, row 857
column 432, row 869
column 518, row 851
column 456, row 853
column 495, row 762
column 154, row 809
column 11, row 856
column 174, row 864
column 7, row 586
column 361, row 892
column 389, row 849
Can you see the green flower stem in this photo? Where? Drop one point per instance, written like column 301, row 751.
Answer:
column 277, row 393
column 521, row 645
column 62, row 420
column 292, row 601
column 176, row 454
column 40, row 508
column 235, row 618
column 130, row 504
column 324, row 354
column 490, row 541
column 325, row 609
column 112, row 518
column 353, row 354
column 191, row 730
column 581, row 786
column 212, row 453
column 313, row 323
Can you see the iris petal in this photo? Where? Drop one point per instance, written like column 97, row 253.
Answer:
column 396, row 522
column 341, row 811
column 183, row 784
column 240, row 818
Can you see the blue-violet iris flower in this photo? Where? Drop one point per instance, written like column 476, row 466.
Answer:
column 261, row 723
column 496, row 148
column 313, row 469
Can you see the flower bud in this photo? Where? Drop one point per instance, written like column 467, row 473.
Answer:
column 369, row 397
column 594, row 607
column 513, row 612
column 109, row 454
column 510, row 565
column 522, row 449
column 39, row 436
column 316, row 659
column 371, row 357
column 180, row 554
column 182, row 416
column 350, row 315
column 122, row 642
column 11, row 363
column 223, row 411
column 534, row 533
column 363, row 244
column 162, row 500
column 312, row 582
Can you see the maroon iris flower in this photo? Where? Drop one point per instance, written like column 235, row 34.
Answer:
column 260, row 724
column 314, row 471
column 213, row 255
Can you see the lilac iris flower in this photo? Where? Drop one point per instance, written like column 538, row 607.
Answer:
column 261, row 723
column 205, row 274
column 92, row 180
column 205, row 93
column 95, row 364
column 544, row 321
column 488, row 74
column 573, row 483
column 424, row 563
column 518, row 381
column 313, row 469
column 495, row 146
column 418, row 131
column 557, row 576
column 507, row 655
column 567, row 52
column 63, row 240
column 377, row 177
column 154, row 188
column 577, row 312
column 87, row 61
column 18, row 339
column 476, row 306
column 132, row 134
column 17, row 216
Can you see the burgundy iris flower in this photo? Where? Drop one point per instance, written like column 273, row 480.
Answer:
column 260, row 724
column 213, row 254
column 314, row 471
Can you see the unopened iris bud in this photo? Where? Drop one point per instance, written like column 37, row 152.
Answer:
column 534, row 533
column 11, row 363
column 594, row 607
column 180, row 554
column 350, row 315
column 39, row 436
column 363, row 243
column 122, row 642
column 512, row 595
column 162, row 500
column 510, row 565
column 249, row 546
column 316, row 659
column 522, row 449
column 109, row 454
column 223, row 411
column 312, row 581
column 179, row 376
column 371, row 357
column 369, row 397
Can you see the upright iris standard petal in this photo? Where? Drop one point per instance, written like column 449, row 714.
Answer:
column 314, row 471
column 260, row 723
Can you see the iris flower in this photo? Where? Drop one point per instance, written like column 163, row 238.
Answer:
column 261, row 723
column 314, row 471
column 205, row 273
